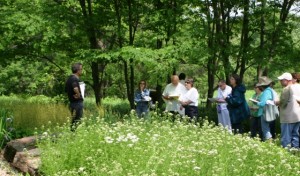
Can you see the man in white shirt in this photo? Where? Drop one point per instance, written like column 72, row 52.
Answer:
column 172, row 93
column 223, row 113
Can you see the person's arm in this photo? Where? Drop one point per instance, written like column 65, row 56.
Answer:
column 252, row 105
column 191, row 98
column 165, row 95
column 235, row 99
column 220, row 98
column 137, row 96
column 266, row 95
column 76, row 90
column 185, row 103
column 147, row 92
column 285, row 96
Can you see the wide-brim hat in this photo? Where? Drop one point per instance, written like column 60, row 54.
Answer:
column 264, row 81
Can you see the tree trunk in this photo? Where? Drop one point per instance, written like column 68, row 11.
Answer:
column 245, row 39
column 212, row 24
column 91, row 32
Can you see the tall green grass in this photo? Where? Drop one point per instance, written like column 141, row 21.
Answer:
column 42, row 112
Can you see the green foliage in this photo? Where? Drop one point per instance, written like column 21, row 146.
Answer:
column 31, row 78
column 6, row 129
column 166, row 35
column 159, row 147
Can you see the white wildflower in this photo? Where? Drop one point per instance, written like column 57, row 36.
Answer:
column 109, row 140
column 197, row 168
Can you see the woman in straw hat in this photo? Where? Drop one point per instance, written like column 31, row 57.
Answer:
column 267, row 94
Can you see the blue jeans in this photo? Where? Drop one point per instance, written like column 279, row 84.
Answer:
column 265, row 127
column 76, row 109
column 142, row 109
column 290, row 134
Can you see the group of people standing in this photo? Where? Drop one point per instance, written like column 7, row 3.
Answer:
column 181, row 97
column 233, row 108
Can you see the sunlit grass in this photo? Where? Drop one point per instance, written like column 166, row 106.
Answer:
column 35, row 112
column 160, row 147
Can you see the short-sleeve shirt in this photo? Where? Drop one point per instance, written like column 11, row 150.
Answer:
column 72, row 82
column 180, row 90
column 191, row 95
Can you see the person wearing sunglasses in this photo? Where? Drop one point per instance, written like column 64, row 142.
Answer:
column 189, row 100
column 142, row 99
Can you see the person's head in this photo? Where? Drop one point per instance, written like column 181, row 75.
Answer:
column 285, row 79
column 264, row 82
column 142, row 84
column 77, row 68
column 235, row 80
column 181, row 76
column 258, row 89
column 296, row 77
column 222, row 84
column 189, row 83
column 272, row 84
column 175, row 80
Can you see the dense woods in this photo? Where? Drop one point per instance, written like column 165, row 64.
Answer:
column 122, row 41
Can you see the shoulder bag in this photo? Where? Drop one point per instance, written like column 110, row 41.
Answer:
column 271, row 112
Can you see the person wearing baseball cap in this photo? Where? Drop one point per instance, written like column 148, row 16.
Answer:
column 289, row 111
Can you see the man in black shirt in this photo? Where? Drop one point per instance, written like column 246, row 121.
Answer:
column 74, row 94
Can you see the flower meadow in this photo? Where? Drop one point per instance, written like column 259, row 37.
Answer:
column 158, row 146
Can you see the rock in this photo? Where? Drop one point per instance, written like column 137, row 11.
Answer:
column 23, row 155
column 27, row 161
column 18, row 145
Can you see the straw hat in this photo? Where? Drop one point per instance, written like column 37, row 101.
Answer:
column 264, row 81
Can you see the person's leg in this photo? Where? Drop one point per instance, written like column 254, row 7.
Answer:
column 240, row 128
column 237, row 128
column 220, row 119
column 253, row 127
column 273, row 128
column 77, row 112
column 194, row 113
column 188, row 111
column 265, row 129
column 145, row 110
column 226, row 117
column 286, row 137
column 295, row 134
column 139, row 109
column 259, row 128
